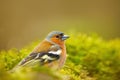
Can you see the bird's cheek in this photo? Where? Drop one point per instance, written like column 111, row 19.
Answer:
column 54, row 40
column 57, row 41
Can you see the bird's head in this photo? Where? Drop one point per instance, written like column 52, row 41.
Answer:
column 57, row 37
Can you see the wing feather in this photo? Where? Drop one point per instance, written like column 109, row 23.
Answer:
column 43, row 57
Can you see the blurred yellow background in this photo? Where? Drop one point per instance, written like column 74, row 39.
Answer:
column 23, row 21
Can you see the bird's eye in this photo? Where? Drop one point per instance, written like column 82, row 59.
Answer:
column 57, row 36
column 61, row 34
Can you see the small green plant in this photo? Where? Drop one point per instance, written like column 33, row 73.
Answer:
column 89, row 57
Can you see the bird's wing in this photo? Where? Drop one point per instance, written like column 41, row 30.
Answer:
column 52, row 54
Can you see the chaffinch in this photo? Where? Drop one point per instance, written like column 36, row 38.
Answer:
column 51, row 52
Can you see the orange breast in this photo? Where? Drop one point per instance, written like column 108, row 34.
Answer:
column 63, row 57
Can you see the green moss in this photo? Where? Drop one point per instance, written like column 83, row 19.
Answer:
column 89, row 57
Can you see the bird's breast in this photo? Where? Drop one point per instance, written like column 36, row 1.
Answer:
column 62, row 57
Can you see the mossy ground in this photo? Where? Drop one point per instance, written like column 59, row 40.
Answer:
column 89, row 57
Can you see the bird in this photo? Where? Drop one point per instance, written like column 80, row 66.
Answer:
column 51, row 52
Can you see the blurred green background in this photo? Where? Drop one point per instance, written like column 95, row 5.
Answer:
column 23, row 21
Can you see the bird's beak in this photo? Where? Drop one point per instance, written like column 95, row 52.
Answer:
column 65, row 37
